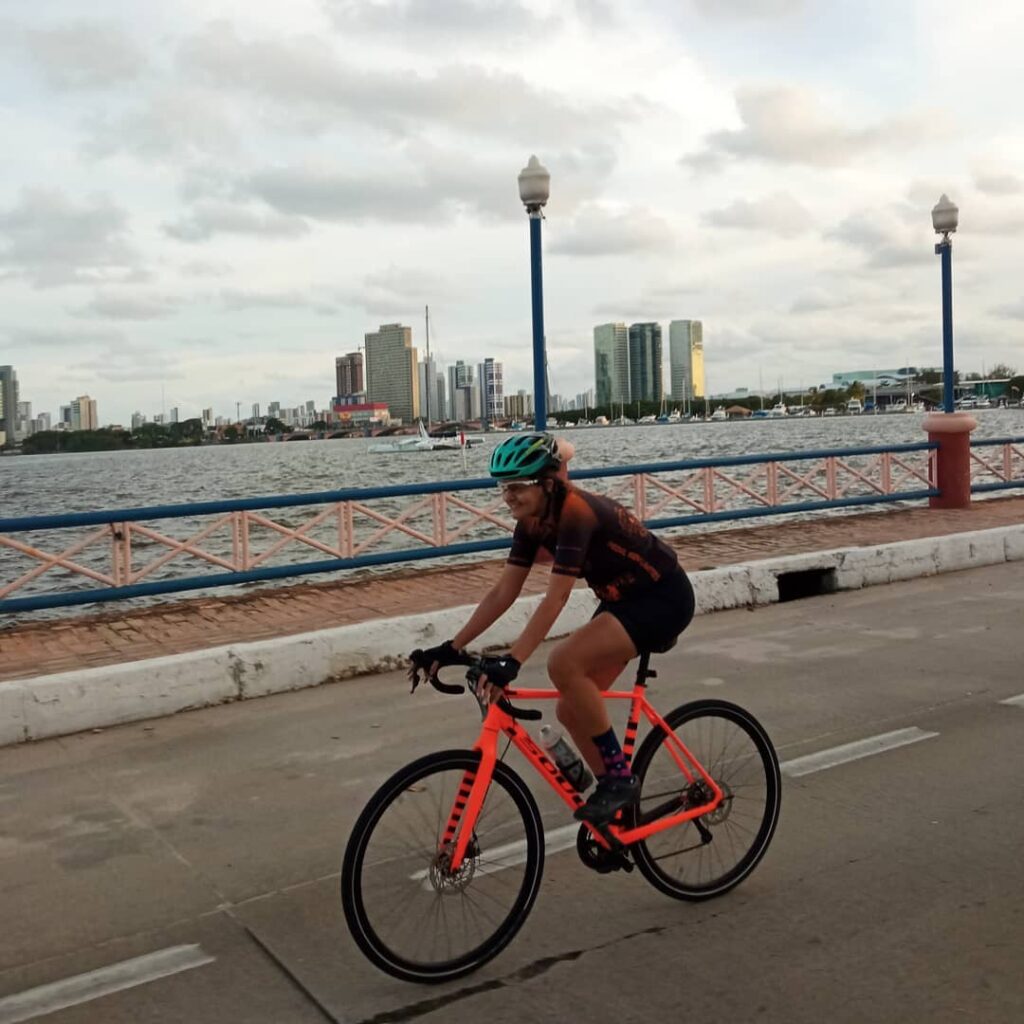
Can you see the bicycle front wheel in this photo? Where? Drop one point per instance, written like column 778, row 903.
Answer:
column 707, row 856
column 408, row 912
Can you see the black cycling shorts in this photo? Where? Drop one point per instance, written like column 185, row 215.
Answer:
column 656, row 615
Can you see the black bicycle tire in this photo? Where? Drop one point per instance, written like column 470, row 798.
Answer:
column 375, row 950
column 773, row 777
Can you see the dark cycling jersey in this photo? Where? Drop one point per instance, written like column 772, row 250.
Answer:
column 596, row 538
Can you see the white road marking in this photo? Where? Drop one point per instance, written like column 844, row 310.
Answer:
column 854, row 751
column 511, row 854
column 82, row 988
column 1017, row 701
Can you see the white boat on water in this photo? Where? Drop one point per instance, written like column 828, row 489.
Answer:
column 777, row 411
column 719, row 414
column 854, row 407
column 423, row 442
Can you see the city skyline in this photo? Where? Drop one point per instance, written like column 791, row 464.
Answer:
column 201, row 204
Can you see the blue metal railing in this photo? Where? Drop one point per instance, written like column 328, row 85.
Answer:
column 28, row 524
column 1000, row 484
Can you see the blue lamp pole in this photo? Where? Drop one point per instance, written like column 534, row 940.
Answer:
column 534, row 188
column 944, row 219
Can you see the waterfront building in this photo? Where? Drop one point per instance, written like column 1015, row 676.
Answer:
column 465, row 392
column 23, row 426
column 137, row 420
column 65, row 416
column 83, row 414
column 875, row 378
column 207, row 418
column 8, row 404
column 686, row 360
column 41, row 423
column 585, row 399
column 492, row 389
column 174, row 414
column 611, row 363
column 432, row 391
column 645, row 372
column 519, row 406
column 348, row 374
column 391, row 375
column 361, row 415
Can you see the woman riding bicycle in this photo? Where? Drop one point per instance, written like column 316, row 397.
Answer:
column 646, row 602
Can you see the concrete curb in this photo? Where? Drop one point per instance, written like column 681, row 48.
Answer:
column 68, row 702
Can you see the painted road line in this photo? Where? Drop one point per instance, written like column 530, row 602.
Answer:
column 1017, row 701
column 511, row 854
column 82, row 988
column 854, row 751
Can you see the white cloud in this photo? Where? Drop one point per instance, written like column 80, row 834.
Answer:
column 113, row 306
column 50, row 240
column 743, row 9
column 209, row 218
column 85, row 55
column 783, row 124
column 778, row 213
column 599, row 231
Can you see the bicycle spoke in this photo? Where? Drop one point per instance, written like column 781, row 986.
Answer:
column 419, row 915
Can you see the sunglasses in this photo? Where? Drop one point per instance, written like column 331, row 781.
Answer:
column 515, row 486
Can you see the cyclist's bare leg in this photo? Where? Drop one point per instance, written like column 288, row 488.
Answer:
column 581, row 666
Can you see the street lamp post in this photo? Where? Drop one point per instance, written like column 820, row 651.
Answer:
column 534, row 188
column 944, row 220
column 950, row 431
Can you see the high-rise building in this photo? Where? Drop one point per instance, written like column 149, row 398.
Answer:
column 207, row 418
column 645, row 372
column 83, row 414
column 348, row 374
column 464, row 390
column 431, row 397
column 8, row 404
column 41, row 422
column 174, row 414
column 255, row 410
column 611, row 363
column 391, row 373
column 686, row 359
column 23, row 426
column 492, row 389
column 137, row 420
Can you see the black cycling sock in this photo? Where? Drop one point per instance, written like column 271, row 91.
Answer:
column 611, row 753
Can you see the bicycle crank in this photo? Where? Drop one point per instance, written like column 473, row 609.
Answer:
column 596, row 857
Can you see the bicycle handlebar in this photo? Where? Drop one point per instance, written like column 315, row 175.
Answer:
column 472, row 676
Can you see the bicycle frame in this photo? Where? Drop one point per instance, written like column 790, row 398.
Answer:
column 473, row 789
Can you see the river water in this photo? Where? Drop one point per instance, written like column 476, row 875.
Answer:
column 50, row 484
column 46, row 484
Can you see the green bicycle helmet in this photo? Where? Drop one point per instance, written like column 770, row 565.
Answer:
column 524, row 456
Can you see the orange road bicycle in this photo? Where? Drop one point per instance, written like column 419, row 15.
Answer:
column 444, row 862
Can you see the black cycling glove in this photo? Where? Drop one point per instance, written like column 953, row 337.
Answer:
column 500, row 671
column 421, row 660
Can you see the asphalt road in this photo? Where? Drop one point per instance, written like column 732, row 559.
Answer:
column 187, row 868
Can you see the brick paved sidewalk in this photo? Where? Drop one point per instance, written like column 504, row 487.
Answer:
column 29, row 649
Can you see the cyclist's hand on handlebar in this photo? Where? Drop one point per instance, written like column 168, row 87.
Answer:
column 431, row 660
column 495, row 676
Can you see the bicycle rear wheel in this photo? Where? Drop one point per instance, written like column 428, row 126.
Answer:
column 410, row 914
column 709, row 855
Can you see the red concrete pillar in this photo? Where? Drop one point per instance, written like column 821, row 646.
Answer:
column 952, row 431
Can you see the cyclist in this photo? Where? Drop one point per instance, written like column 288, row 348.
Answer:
column 646, row 601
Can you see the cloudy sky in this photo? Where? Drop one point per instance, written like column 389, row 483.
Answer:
column 207, row 200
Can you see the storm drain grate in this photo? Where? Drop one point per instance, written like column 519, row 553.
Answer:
column 806, row 583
